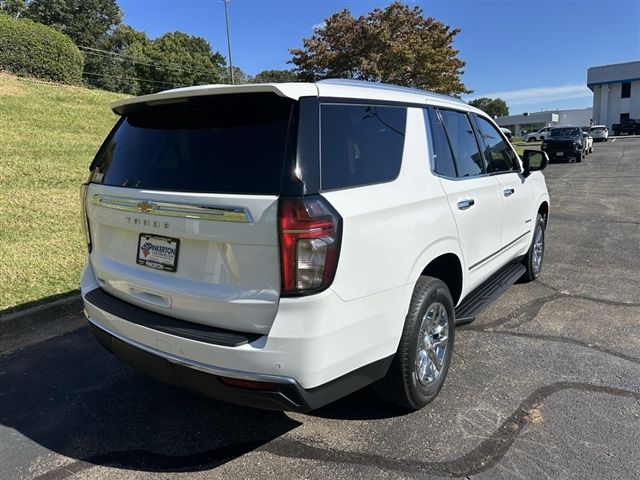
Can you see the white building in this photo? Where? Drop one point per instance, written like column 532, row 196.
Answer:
column 534, row 121
column 616, row 92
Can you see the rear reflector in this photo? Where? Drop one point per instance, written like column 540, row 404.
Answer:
column 309, row 244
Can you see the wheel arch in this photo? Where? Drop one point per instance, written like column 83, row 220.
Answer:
column 448, row 268
column 443, row 260
column 543, row 209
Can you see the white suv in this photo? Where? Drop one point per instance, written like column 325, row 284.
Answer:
column 599, row 133
column 283, row 245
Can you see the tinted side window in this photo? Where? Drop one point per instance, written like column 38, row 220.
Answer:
column 360, row 144
column 497, row 151
column 442, row 156
column 468, row 158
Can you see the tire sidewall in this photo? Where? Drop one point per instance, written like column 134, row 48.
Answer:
column 539, row 224
column 421, row 394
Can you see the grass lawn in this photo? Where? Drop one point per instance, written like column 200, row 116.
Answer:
column 48, row 137
column 522, row 146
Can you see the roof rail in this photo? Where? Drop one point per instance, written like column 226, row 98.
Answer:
column 388, row 87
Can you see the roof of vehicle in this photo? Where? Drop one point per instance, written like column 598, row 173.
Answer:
column 558, row 127
column 598, row 126
column 325, row 88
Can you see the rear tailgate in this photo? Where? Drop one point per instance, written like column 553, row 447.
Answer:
column 182, row 209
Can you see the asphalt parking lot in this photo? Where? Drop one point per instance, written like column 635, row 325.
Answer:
column 545, row 384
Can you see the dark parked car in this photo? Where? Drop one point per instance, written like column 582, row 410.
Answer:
column 564, row 143
column 630, row 126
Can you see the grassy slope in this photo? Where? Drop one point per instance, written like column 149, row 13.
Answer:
column 48, row 136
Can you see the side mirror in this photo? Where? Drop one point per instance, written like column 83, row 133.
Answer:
column 534, row 160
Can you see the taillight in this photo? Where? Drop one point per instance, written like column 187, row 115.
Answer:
column 309, row 244
column 85, row 219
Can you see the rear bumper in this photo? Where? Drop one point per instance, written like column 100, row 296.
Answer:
column 257, row 390
column 320, row 347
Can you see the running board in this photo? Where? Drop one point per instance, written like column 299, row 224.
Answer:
column 487, row 293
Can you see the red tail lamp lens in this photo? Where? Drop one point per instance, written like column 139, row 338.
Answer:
column 309, row 244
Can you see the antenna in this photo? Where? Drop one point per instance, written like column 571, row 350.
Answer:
column 226, row 18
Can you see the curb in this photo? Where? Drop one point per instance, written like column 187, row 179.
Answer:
column 23, row 327
column 64, row 305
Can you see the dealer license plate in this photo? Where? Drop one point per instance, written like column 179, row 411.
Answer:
column 158, row 252
column 559, row 154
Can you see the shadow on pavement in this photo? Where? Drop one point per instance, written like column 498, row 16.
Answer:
column 361, row 405
column 70, row 396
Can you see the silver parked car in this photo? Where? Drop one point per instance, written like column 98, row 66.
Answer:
column 538, row 136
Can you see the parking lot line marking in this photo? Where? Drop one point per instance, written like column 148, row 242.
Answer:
column 613, row 140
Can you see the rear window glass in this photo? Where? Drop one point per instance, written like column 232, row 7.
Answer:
column 468, row 159
column 360, row 144
column 229, row 144
column 442, row 156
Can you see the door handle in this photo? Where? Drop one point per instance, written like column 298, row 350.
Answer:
column 508, row 191
column 466, row 203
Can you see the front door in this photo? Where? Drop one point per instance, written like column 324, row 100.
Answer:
column 516, row 194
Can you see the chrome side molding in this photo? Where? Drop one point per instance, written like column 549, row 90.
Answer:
column 180, row 210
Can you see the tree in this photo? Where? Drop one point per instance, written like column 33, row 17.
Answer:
column 128, row 61
column 239, row 77
column 87, row 22
column 396, row 44
column 494, row 107
column 275, row 76
column 179, row 60
column 115, row 63
column 15, row 8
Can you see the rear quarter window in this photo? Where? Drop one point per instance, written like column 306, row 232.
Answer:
column 360, row 144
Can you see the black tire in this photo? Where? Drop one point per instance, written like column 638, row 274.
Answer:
column 401, row 384
column 531, row 140
column 528, row 261
column 579, row 157
column 591, row 149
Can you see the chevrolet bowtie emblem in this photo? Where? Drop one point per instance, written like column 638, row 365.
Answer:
column 146, row 207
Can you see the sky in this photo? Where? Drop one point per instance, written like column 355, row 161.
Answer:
column 534, row 54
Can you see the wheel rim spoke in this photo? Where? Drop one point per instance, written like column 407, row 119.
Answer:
column 538, row 250
column 435, row 361
column 432, row 344
column 440, row 342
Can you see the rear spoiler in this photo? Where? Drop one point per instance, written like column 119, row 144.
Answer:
column 179, row 95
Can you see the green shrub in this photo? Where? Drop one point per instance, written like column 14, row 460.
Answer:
column 32, row 49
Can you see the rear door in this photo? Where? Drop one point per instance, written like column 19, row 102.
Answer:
column 182, row 208
column 473, row 196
